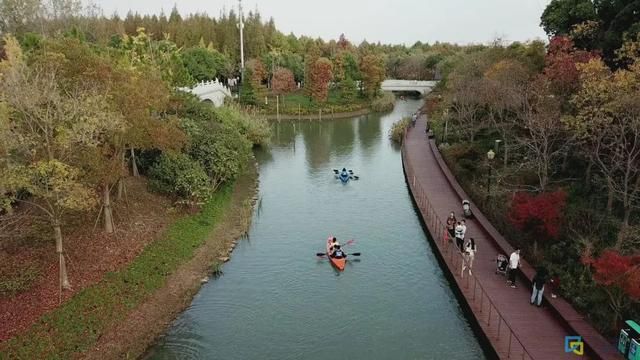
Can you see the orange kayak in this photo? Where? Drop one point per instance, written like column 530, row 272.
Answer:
column 338, row 263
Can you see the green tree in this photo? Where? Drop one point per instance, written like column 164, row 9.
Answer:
column 560, row 16
column 204, row 64
column 348, row 90
column 248, row 94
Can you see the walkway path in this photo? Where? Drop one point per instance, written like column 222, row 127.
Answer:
column 513, row 327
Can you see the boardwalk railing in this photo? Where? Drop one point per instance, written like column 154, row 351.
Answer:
column 491, row 320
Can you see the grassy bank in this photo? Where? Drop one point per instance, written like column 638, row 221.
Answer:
column 298, row 103
column 77, row 325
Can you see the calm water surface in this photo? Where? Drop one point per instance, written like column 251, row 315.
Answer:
column 276, row 300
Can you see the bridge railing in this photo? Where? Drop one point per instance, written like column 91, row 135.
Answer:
column 479, row 301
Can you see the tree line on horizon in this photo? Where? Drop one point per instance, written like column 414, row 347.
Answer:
column 262, row 39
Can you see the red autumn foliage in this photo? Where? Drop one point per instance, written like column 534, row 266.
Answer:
column 541, row 213
column 633, row 289
column 321, row 74
column 560, row 64
column 614, row 269
column 283, row 81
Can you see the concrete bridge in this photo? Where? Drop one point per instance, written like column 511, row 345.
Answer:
column 420, row 86
column 210, row 91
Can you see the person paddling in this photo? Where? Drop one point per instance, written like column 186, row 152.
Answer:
column 332, row 244
column 338, row 253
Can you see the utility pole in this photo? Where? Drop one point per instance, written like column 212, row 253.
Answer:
column 241, row 37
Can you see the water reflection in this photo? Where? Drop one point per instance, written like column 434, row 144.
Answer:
column 276, row 300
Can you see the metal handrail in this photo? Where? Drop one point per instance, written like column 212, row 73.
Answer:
column 438, row 229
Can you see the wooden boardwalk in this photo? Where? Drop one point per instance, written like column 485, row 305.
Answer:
column 514, row 328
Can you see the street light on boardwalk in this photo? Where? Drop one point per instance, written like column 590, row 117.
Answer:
column 490, row 156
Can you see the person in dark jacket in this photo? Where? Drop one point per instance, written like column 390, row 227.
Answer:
column 451, row 224
column 538, row 286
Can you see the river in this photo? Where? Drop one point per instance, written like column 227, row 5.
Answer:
column 277, row 300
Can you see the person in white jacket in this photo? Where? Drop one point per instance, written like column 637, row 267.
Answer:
column 514, row 264
column 464, row 228
column 459, row 236
column 469, row 255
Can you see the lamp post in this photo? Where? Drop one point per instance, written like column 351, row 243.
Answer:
column 241, row 26
column 490, row 156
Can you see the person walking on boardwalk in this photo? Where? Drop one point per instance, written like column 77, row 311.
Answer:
column 469, row 254
column 451, row 224
column 538, row 286
column 514, row 264
column 459, row 236
column 464, row 228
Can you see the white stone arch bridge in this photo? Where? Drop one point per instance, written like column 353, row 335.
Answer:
column 210, row 91
column 421, row 86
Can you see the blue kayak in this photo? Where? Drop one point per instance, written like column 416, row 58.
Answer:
column 345, row 175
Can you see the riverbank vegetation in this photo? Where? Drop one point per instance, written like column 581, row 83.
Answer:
column 398, row 129
column 87, row 130
column 563, row 123
column 383, row 103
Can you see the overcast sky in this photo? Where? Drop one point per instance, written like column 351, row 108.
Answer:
column 387, row 21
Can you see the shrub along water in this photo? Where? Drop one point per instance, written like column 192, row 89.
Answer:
column 384, row 102
column 220, row 141
column 396, row 133
column 178, row 174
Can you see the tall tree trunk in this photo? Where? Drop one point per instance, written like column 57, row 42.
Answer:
column 120, row 189
column 108, row 214
column 64, row 279
column 623, row 227
column 609, row 196
column 565, row 161
column 587, row 178
column 121, row 179
column 627, row 215
column 506, row 153
column 134, row 165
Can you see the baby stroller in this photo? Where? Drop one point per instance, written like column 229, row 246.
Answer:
column 501, row 264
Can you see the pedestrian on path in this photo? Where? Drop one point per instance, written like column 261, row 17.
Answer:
column 464, row 228
column 538, row 286
column 469, row 254
column 514, row 264
column 459, row 236
column 451, row 224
